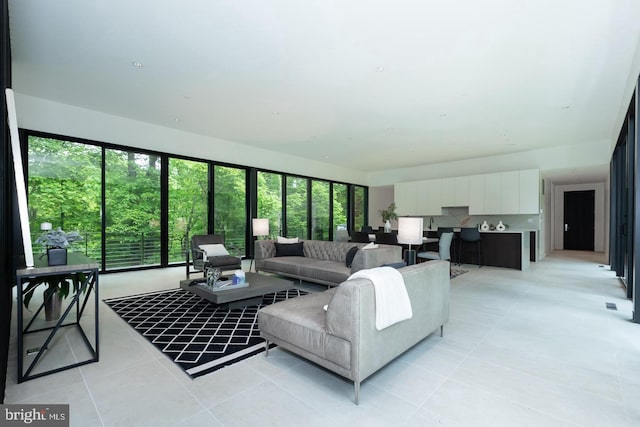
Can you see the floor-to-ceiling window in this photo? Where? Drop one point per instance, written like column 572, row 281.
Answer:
column 132, row 209
column 230, row 207
column 320, row 209
column 340, row 207
column 270, row 201
column 188, row 204
column 296, row 207
column 624, row 229
column 359, row 207
column 65, row 187
column 138, row 208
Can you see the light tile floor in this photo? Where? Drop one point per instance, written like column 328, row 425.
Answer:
column 534, row 348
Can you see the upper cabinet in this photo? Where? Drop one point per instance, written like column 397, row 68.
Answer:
column 430, row 196
column 510, row 192
column 405, row 198
column 530, row 191
column 455, row 191
column 476, row 194
column 492, row 194
column 419, row 197
column 516, row 192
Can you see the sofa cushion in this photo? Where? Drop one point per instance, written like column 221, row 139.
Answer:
column 284, row 265
column 289, row 249
column 327, row 250
column 214, row 250
column 350, row 256
column 299, row 321
column 285, row 240
column 324, row 271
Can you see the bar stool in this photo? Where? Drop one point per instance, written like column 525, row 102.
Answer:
column 455, row 245
column 470, row 237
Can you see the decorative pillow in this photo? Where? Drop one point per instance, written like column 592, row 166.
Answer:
column 287, row 240
column 351, row 254
column 214, row 250
column 289, row 249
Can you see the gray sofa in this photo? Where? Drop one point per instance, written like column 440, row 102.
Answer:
column 323, row 261
column 344, row 338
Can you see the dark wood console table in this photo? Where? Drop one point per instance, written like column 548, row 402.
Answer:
column 39, row 335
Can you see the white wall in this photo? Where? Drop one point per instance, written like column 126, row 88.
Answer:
column 380, row 198
column 599, row 218
column 53, row 117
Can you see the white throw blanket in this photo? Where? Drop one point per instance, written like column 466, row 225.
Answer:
column 392, row 299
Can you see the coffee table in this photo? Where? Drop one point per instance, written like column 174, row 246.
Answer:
column 230, row 298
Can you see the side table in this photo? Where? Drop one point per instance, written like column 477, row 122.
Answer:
column 78, row 267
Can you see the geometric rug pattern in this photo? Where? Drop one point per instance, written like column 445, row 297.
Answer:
column 455, row 272
column 197, row 335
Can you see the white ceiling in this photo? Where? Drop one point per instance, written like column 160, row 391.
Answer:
column 341, row 81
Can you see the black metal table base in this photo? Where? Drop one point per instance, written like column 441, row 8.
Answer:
column 88, row 288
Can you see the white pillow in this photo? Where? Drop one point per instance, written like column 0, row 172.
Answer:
column 286, row 240
column 214, row 250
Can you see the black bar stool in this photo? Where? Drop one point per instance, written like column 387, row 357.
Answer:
column 470, row 237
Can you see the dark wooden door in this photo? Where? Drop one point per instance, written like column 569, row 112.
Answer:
column 579, row 208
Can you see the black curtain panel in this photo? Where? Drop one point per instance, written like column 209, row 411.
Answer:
column 7, row 191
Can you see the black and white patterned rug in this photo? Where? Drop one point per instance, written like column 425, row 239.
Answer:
column 198, row 336
column 455, row 272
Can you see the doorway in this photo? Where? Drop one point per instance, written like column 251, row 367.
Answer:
column 579, row 220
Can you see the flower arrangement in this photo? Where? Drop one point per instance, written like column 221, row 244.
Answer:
column 389, row 213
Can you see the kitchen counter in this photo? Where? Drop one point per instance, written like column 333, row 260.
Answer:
column 509, row 248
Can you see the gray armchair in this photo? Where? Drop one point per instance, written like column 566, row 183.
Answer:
column 223, row 262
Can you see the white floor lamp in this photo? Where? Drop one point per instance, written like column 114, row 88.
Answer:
column 260, row 227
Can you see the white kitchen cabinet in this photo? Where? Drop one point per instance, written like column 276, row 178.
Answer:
column 510, row 192
column 430, row 197
column 530, row 191
column 503, row 193
column 405, row 198
column 493, row 193
column 476, row 195
column 455, row 191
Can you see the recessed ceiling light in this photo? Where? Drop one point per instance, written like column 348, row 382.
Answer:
column 137, row 64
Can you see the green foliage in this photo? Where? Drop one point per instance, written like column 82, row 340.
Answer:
column 65, row 188
column 60, row 284
column 188, row 190
column 230, row 201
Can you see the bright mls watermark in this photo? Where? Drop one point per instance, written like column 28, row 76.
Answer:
column 34, row 415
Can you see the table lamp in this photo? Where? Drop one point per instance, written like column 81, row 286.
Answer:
column 410, row 233
column 260, row 227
